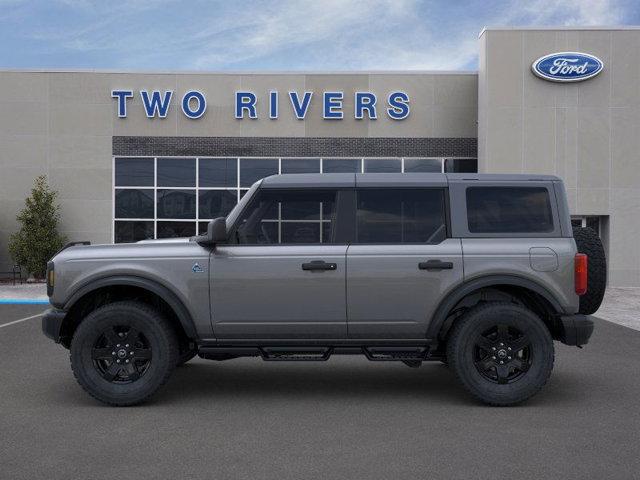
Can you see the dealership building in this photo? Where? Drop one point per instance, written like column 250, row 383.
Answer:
column 156, row 155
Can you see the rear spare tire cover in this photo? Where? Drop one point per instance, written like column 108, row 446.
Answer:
column 588, row 242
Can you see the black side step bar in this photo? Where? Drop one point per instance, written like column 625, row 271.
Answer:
column 299, row 354
column 318, row 353
column 385, row 354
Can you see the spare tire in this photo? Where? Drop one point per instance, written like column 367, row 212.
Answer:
column 589, row 243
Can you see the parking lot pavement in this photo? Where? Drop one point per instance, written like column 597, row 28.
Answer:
column 346, row 419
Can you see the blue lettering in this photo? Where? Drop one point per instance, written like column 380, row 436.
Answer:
column 200, row 100
column 300, row 109
column 398, row 105
column 365, row 101
column 332, row 105
column 246, row 101
column 273, row 105
column 122, row 96
column 156, row 105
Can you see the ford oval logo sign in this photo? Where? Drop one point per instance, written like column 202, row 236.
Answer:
column 567, row 66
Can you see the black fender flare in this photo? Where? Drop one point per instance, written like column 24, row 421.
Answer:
column 141, row 282
column 458, row 293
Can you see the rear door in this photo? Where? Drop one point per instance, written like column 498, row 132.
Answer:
column 401, row 262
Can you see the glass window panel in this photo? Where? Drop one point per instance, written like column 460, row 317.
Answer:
column 134, row 172
column 461, row 165
column 134, row 203
column 300, row 165
column 176, row 172
column 259, row 223
column 253, row 169
column 242, row 192
column 176, row 203
column 340, row 165
column 294, row 232
column 382, row 165
column 216, row 203
column 400, row 216
column 218, row 172
column 509, row 209
column 176, row 229
column 126, row 232
column 306, row 207
column 416, row 165
column 202, row 227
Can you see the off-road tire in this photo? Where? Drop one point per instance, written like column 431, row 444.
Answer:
column 153, row 328
column 462, row 349
column 588, row 242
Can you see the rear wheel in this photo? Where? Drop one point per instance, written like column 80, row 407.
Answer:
column 123, row 352
column 501, row 352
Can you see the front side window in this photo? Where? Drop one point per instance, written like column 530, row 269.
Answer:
column 509, row 210
column 400, row 216
column 288, row 217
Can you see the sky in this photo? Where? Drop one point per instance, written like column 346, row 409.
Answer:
column 280, row 35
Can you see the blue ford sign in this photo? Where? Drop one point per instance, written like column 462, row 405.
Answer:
column 567, row 66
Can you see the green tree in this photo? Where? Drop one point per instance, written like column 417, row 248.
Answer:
column 38, row 239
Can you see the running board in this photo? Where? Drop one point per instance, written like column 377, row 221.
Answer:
column 386, row 354
column 315, row 353
column 296, row 354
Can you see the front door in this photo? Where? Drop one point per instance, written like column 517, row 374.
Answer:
column 401, row 262
column 284, row 277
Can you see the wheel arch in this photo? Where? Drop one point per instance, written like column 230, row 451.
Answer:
column 511, row 285
column 88, row 297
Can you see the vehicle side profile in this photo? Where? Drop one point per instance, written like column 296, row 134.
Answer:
column 482, row 272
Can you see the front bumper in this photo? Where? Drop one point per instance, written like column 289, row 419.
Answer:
column 52, row 323
column 575, row 330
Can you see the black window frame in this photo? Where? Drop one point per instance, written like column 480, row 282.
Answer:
column 552, row 204
column 445, row 205
column 344, row 217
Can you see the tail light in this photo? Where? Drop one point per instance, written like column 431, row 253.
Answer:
column 580, row 273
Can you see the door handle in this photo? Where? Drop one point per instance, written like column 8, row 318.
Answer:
column 435, row 265
column 319, row 265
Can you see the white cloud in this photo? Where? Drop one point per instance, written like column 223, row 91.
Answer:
column 299, row 34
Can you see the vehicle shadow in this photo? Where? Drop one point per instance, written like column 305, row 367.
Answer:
column 349, row 379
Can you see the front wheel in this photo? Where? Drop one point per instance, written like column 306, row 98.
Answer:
column 501, row 352
column 123, row 352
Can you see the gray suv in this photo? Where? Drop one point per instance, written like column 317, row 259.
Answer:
column 481, row 272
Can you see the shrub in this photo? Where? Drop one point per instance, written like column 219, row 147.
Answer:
column 38, row 239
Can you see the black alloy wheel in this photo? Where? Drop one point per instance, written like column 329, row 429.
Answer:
column 121, row 354
column 502, row 354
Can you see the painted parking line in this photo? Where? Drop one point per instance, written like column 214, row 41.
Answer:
column 21, row 320
column 23, row 301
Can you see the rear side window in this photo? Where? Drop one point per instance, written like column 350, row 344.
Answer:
column 400, row 216
column 509, row 210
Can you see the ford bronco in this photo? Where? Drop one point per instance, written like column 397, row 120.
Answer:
column 481, row 272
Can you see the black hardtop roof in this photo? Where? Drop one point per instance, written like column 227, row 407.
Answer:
column 345, row 180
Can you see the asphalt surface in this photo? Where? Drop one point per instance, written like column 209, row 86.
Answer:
column 347, row 418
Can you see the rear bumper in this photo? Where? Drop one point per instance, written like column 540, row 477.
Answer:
column 576, row 329
column 52, row 323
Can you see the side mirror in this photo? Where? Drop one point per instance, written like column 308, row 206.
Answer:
column 216, row 232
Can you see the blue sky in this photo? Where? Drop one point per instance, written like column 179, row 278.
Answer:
column 274, row 35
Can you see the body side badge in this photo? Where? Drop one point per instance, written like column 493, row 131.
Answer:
column 197, row 268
